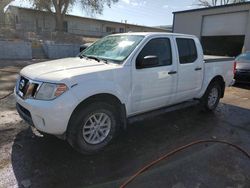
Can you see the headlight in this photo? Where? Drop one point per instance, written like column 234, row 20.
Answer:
column 48, row 91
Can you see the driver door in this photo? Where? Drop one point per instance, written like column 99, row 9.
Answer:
column 154, row 85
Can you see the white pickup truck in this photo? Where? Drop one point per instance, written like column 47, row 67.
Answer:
column 121, row 77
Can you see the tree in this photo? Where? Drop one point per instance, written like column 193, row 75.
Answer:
column 212, row 3
column 60, row 7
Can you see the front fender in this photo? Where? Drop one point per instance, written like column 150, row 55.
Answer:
column 83, row 91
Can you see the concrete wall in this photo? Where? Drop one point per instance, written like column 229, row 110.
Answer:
column 56, row 51
column 190, row 22
column 247, row 36
column 15, row 50
column 23, row 50
column 187, row 23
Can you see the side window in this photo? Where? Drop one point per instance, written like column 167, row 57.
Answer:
column 161, row 48
column 187, row 50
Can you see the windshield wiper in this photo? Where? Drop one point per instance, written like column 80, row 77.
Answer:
column 94, row 58
column 98, row 59
column 82, row 56
column 104, row 60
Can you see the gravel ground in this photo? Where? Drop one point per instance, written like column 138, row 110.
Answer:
column 27, row 160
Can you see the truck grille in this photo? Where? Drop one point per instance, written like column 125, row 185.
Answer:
column 26, row 88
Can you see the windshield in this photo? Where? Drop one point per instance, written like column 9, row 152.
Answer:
column 115, row 47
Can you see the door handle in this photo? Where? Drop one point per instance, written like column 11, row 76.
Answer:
column 198, row 68
column 172, row 72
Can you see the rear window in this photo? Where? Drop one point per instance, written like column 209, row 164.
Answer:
column 244, row 56
column 187, row 50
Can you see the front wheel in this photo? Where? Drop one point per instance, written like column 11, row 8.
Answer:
column 212, row 96
column 93, row 127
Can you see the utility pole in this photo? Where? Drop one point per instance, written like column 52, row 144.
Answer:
column 125, row 24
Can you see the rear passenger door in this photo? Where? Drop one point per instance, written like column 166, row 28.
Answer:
column 190, row 68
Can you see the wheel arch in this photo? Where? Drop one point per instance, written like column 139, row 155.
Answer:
column 221, row 81
column 102, row 97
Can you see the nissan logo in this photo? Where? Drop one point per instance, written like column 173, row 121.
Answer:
column 21, row 84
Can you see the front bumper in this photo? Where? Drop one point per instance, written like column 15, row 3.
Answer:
column 24, row 114
column 51, row 117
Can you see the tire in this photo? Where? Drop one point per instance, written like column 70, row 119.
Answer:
column 89, row 122
column 212, row 96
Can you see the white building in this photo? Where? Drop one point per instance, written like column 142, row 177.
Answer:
column 223, row 30
column 26, row 19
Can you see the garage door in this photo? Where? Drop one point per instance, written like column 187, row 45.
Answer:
column 225, row 24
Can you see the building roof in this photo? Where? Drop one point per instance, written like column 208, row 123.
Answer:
column 215, row 7
column 128, row 24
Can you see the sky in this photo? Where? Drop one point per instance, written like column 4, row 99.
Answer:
column 141, row 12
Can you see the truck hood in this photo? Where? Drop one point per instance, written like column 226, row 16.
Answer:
column 58, row 70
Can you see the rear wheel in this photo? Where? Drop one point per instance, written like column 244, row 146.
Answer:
column 93, row 127
column 212, row 96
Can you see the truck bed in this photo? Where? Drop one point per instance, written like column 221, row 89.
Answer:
column 218, row 65
column 212, row 58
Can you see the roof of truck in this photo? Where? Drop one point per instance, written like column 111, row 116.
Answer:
column 154, row 34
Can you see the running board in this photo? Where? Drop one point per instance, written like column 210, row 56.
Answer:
column 148, row 115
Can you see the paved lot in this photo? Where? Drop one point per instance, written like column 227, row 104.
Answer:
column 28, row 160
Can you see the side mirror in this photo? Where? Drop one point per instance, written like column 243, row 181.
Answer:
column 147, row 61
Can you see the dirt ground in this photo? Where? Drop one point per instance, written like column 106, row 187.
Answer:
column 28, row 160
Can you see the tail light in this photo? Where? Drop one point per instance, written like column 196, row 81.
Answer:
column 234, row 68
